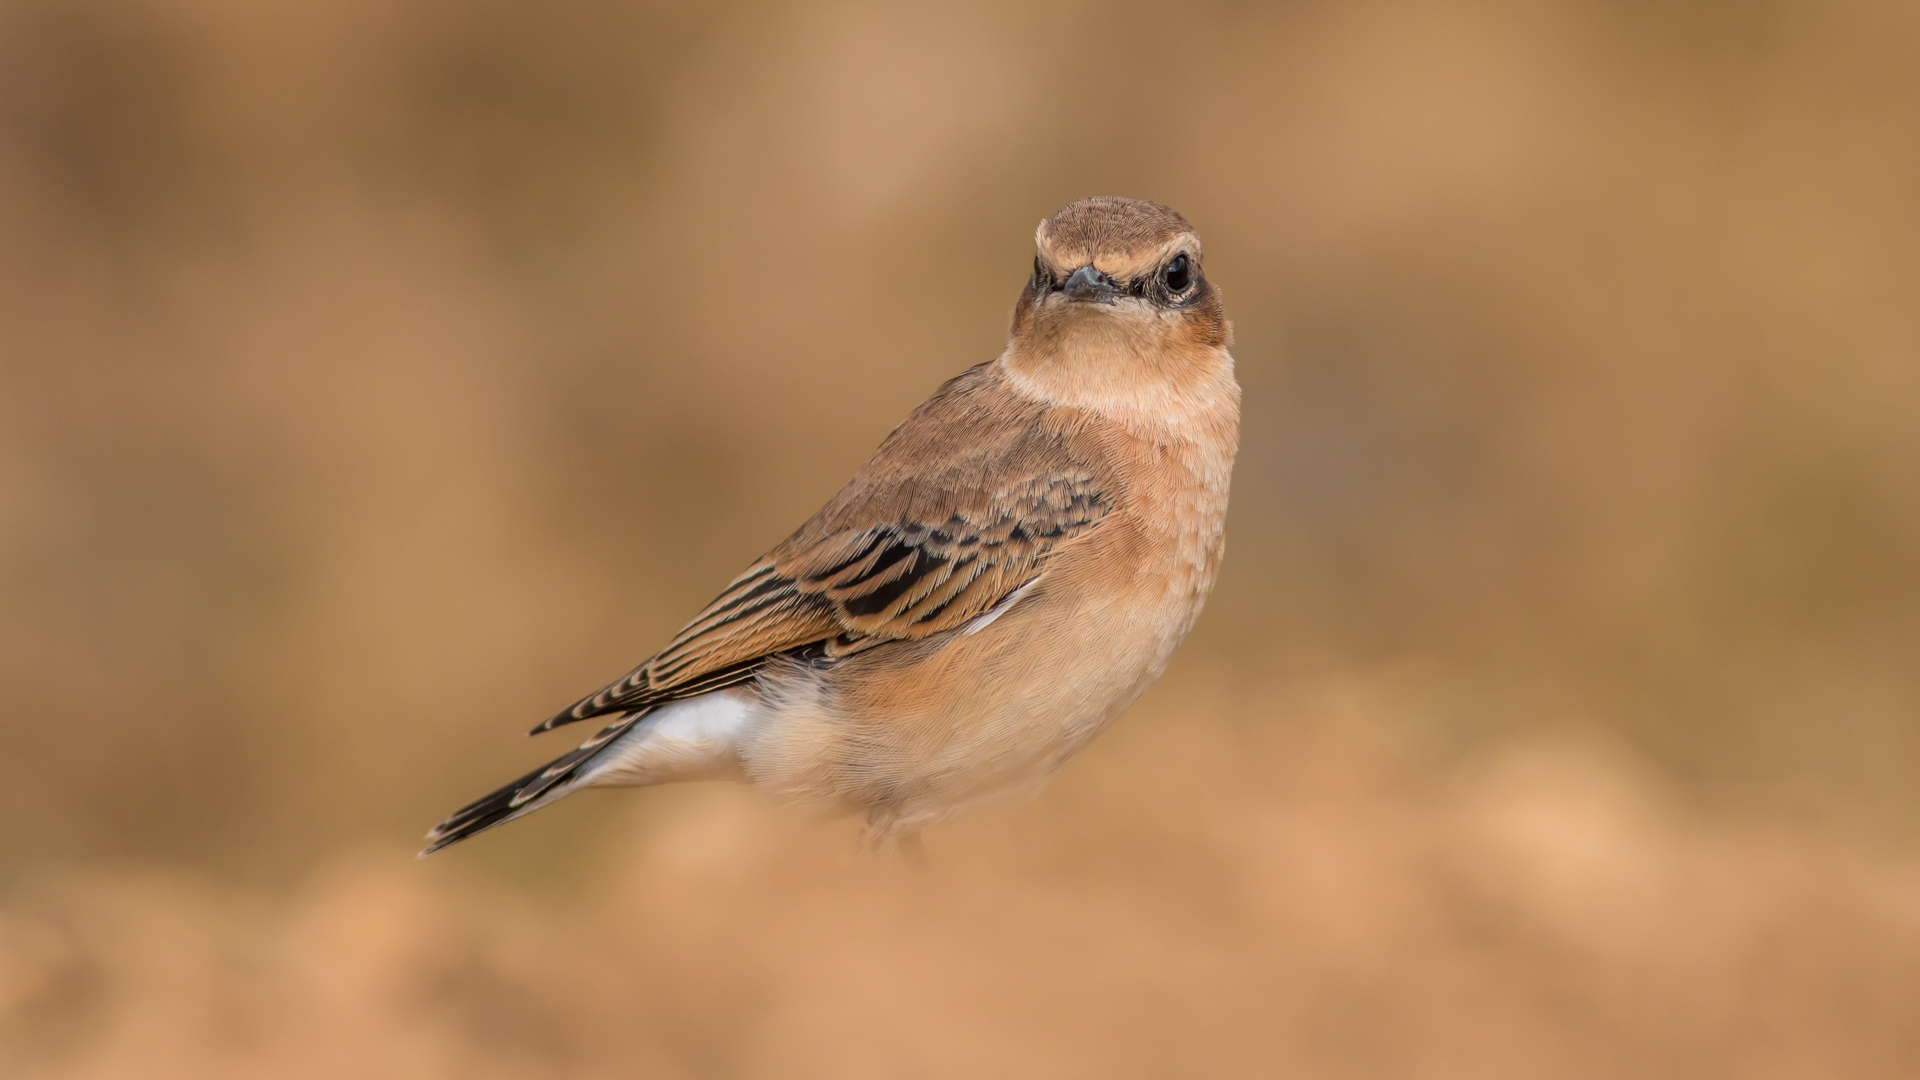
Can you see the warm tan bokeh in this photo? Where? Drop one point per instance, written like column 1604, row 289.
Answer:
column 376, row 377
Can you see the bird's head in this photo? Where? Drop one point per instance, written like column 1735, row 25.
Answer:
column 1118, row 305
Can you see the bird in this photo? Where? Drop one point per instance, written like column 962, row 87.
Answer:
column 1010, row 570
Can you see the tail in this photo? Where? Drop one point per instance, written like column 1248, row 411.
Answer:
column 551, row 782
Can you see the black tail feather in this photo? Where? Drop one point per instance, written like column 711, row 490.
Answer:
column 523, row 795
column 529, row 792
column 480, row 815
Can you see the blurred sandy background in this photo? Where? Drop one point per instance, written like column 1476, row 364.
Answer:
column 364, row 365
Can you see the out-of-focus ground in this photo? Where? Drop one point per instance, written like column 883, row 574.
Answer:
column 1318, row 906
column 376, row 377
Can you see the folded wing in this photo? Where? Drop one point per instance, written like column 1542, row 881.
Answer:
column 930, row 534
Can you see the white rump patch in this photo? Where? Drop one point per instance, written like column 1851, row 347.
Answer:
column 694, row 739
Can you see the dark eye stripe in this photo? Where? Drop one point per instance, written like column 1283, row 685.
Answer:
column 1042, row 277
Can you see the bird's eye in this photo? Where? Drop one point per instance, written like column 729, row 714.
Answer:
column 1178, row 275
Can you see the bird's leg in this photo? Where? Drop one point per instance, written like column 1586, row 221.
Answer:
column 884, row 838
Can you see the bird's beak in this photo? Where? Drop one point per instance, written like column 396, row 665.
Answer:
column 1089, row 284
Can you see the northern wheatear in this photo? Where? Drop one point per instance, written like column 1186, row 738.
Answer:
column 1006, row 575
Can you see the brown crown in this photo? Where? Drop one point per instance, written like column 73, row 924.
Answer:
column 1107, row 224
